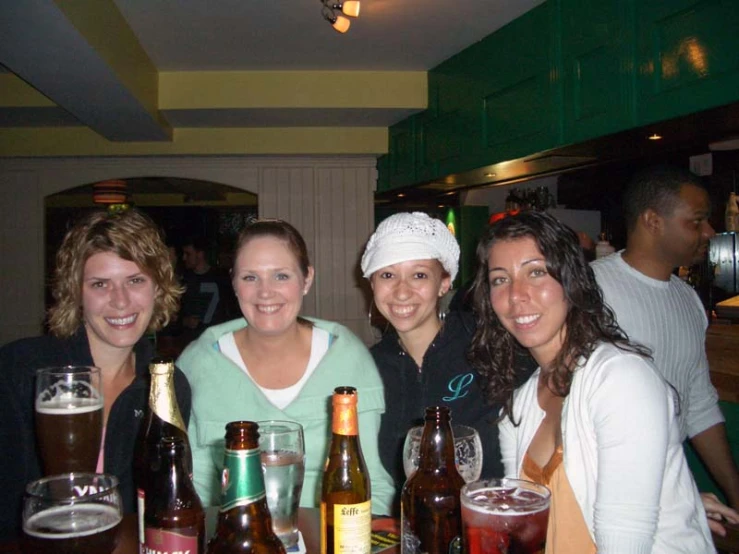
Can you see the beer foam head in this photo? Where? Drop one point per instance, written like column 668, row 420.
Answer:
column 66, row 522
column 61, row 405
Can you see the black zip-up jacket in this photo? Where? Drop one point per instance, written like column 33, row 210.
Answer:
column 445, row 379
column 19, row 461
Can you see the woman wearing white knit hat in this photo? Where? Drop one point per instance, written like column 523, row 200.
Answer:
column 411, row 261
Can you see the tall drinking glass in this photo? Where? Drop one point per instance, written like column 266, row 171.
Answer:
column 283, row 463
column 69, row 418
column 72, row 513
column 504, row 516
column 467, row 451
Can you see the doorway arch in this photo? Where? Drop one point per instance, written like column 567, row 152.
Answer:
column 329, row 199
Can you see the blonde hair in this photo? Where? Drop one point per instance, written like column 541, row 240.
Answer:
column 132, row 236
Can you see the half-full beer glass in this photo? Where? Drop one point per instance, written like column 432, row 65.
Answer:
column 283, row 463
column 72, row 513
column 69, row 418
column 504, row 516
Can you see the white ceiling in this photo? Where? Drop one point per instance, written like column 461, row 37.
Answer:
column 398, row 35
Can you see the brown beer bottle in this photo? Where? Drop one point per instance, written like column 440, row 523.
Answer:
column 345, row 494
column 244, row 521
column 430, row 517
column 174, row 520
column 162, row 419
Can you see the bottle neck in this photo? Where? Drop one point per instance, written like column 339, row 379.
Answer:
column 162, row 399
column 437, row 446
column 344, row 421
column 243, row 481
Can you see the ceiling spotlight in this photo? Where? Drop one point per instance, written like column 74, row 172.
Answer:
column 331, row 13
column 655, row 136
column 350, row 8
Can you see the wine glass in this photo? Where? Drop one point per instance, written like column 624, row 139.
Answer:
column 467, row 451
column 72, row 513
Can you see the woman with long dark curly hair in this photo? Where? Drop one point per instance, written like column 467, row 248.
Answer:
column 596, row 422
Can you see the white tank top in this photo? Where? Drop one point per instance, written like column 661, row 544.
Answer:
column 281, row 398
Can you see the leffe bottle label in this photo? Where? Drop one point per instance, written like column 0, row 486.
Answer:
column 165, row 541
column 353, row 528
column 242, row 482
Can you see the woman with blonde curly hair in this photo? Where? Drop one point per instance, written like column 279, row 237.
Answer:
column 113, row 283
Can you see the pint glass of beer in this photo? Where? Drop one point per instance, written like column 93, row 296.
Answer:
column 504, row 516
column 72, row 513
column 69, row 418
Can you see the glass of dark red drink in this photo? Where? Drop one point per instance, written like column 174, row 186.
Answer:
column 504, row 516
column 72, row 513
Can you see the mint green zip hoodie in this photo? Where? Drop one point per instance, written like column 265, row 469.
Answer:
column 222, row 392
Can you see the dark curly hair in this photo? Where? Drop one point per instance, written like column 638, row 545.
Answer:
column 588, row 322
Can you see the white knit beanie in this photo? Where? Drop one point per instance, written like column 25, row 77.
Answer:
column 410, row 236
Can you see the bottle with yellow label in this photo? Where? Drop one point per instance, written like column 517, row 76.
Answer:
column 346, row 513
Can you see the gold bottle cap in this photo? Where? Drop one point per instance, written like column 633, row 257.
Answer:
column 161, row 366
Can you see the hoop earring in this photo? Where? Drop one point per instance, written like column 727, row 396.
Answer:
column 376, row 332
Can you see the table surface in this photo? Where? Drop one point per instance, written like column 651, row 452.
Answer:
column 309, row 522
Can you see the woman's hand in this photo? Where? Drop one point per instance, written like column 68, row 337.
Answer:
column 717, row 512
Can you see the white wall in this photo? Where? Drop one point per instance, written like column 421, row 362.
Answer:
column 328, row 199
column 587, row 221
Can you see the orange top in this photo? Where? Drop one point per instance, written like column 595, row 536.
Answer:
column 344, row 420
column 567, row 532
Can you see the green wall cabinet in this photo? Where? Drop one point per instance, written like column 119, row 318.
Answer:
column 565, row 72
column 687, row 56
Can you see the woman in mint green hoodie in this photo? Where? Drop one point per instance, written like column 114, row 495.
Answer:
column 274, row 364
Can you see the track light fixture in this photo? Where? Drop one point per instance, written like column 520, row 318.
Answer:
column 334, row 12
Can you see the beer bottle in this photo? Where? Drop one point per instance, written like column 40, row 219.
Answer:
column 345, row 493
column 162, row 419
column 244, row 521
column 430, row 517
column 174, row 520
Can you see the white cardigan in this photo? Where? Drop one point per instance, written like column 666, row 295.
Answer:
column 622, row 456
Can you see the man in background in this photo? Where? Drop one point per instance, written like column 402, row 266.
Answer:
column 666, row 213
column 208, row 297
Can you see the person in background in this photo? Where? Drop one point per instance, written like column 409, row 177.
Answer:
column 274, row 364
column 596, row 422
column 411, row 261
column 666, row 212
column 113, row 282
column 208, row 298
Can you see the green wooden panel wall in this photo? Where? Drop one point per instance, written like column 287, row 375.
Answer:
column 596, row 69
column 473, row 222
column 687, row 56
column 565, row 72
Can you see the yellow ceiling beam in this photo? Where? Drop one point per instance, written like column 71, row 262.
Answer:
column 81, row 141
column 293, row 89
column 108, row 33
column 16, row 93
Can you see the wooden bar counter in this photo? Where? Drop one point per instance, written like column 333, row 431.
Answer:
column 722, row 349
